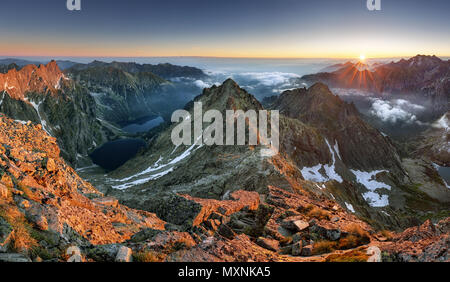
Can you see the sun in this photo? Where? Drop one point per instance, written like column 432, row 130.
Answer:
column 362, row 57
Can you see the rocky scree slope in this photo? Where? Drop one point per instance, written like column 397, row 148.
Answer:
column 46, row 209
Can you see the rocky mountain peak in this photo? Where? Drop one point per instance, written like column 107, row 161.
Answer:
column 425, row 59
column 339, row 122
column 31, row 79
column 228, row 96
column 52, row 67
column 314, row 105
column 230, row 83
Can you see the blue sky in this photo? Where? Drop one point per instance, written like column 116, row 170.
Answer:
column 231, row 28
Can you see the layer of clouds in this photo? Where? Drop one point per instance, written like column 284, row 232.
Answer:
column 269, row 78
column 398, row 110
column 260, row 84
column 351, row 92
column 201, row 84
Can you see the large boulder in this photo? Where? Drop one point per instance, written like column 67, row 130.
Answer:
column 226, row 231
column 326, row 230
column 307, row 251
column 294, row 224
column 184, row 214
column 375, row 254
column 269, row 244
column 297, row 248
column 106, row 201
column 103, row 253
column 14, row 258
column 124, row 254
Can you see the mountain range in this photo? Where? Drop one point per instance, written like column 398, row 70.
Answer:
column 426, row 77
column 84, row 106
column 339, row 189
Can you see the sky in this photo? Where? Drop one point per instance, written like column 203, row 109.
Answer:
column 225, row 28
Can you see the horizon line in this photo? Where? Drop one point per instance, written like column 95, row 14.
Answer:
column 213, row 57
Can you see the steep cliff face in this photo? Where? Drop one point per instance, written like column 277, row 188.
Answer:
column 44, row 95
column 120, row 96
column 42, row 79
column 434, row 144
column 359, row 146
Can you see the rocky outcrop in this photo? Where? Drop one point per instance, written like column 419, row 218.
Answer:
column 238, row 201
column 425, row 243
column 48, row 207
column 124, row 255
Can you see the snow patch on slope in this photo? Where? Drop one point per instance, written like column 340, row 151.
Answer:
column 336, row 149
column 144, row 180
column 155, row 169
column 350, row 207
column 442, row 123
column 313, row 173
column 373, row 198
column 36, row 108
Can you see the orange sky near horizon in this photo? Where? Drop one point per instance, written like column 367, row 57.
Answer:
column 271, row 29
column 61, row 49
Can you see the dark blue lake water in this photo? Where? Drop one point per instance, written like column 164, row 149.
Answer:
column 445, row 173
column 113, row 154
column 143, row 125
